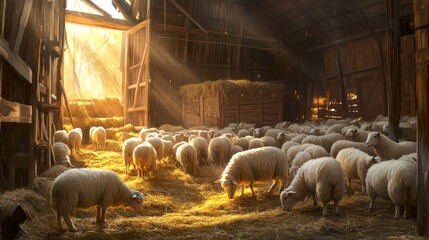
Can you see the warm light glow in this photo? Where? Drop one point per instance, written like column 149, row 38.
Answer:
column 78, row 5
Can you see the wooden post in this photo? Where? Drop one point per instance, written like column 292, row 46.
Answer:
column 383, row 75
column 343, row 91
column 421, row 24
column 394, row 48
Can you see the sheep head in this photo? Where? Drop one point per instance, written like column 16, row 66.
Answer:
column 229, row 186
column 373, row 139
column 288, row 199
column 135, row 201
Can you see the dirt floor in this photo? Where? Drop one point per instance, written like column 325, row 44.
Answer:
column 182, row 207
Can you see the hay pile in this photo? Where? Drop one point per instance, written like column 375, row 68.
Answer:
column 229, row 87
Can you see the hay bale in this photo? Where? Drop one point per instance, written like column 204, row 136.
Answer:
column 96, row 108
column 42, row 186
column 32, row 203
column 54, row 171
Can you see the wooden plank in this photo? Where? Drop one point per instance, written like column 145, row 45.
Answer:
column 139, row 76
column 15, row 112
column 135, row 8
column 88, row 19
column 201, row 110
column 126, row 11
column 94, row 6
column 343, row 90
column 133, row 86
column 15, row 61
column 177, row 5
column 67, row 103
column 22, row 25
column 137, row 109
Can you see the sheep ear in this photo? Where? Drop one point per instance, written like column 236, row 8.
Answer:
column 134, row 196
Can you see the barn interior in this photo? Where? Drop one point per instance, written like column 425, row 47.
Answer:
column 312, row 60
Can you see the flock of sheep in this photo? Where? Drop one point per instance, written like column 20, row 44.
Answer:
column 317, row 160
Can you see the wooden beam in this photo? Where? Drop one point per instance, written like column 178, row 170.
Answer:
column 96, row 20
column 14, row 112
column 177, row 5
column 139, row 76
column 135, row 8
column 123, row 7
column 394, row 48
column 94, row 6
column 343, row 90
column 67, row 103
column 15, row 61
column 22, row 24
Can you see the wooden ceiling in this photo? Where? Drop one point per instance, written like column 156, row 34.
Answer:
column 308, row 25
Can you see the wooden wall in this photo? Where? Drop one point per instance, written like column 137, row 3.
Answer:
column 31, row 44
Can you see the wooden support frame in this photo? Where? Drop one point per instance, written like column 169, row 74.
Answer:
column 394, row 48
column 180, row 8
column 122, row 6
column 22, row 25
column 96, row 20
column 15, row 61
column 15, row 112
column 94, row 6
column 342, row 84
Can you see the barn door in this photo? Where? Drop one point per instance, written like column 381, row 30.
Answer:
column 136, row 88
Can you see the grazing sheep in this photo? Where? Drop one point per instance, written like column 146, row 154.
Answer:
column 127, row 151
column 322, row 178
column 356, row 135
column 388, row 149
column 342, row 144
column 298, row 161
column 233, row 150
column 256, row 143
column 175, row 147
column 260, row 164
column 91, row 136
column 61, row 154
column 187, row 157
column 201, row 145
column 157, row 144
column 144, row 158
column 99, row 138
column 75, row 140
column 393, row 180
column 243, row 143
column 293, row 150
column 325, row 141
column 83, row 188
column 61, row 136
column 168, row 148
column 355, row 164
column 218, row 151
column 269, row 141
column 285, row 147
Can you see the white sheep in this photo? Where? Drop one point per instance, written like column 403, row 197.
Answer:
column 322, row 178
column 393, row 180
column 91, row 136
column 283, row 137
column 260, row 164
column 336, row 128
column 61, row 154
column 244, row 132
column 187, row 157
column 144, row 158
column 168, row 148
column 218, row 151
column 127, row 151
column 269, row 141
column 293, row 150
column 285, row 147
column 273, row 132
column 233, row 150
column 325, row 141
column 158, row 145
column 202, row 146
column 342, row 144
column 99, row 138
column 356, row 135
column 83, row 188
column 298, row 161
column 256, row 143
column 299, row 138
column 170, row 138
column 243, row 143
column 355, row 165
column 316, row 151
column 388, row 149
column 61, row 136
column 75, row 140
column 175, row 147
column 412, row 157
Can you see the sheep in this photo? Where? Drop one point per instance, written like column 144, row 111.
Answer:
column 312, row 139
column 201, row 145
column 325, row 141
column 99, row 138
column 83, row 188
column 169, row 137
column 168, row 148
column 298, row 161
column 218, row 151
column 293, row 150
column 146, row 131
column 283, row 137
column 243, row 143
column 299, row 138
column 91, row 136
column 336, row 128
column 61, row 154
column 233, row 150
column 274, row 132
column 412, row 157
column 342, row 144
column 269, row 141
column 388, row 149
column 75, row 140
column 356, row 135
column 285, row 147
column 322, row 178
column 256, row 143
column 393, row 180
column 260, row 164
column 355, row 164
column 144, row 158
column 316, row 151
column 127, row 151
column 157, row 144
column 187, row 157
column 61, row 136
column 175, row 147
column 244, row 132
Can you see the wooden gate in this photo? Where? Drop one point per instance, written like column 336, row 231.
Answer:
column 136, row 87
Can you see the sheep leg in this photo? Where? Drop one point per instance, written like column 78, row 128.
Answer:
column 397, row 211
column 363, row 187
column 325, row 209
column 126, row 168
column 69, row 222
column 407, row 210
column 274, row 185
column 282, row 186
column 314, row 201
column 60, row 225
column 337, row 208
column 371, row 204
column 98, row 219
column 251, row 188
column 103, row 213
